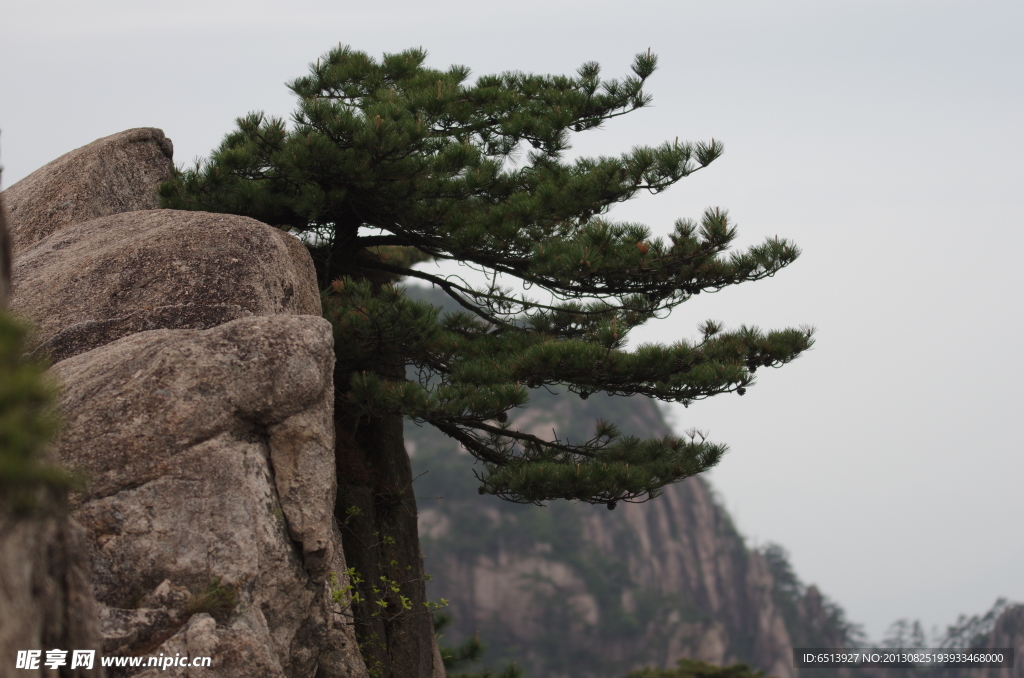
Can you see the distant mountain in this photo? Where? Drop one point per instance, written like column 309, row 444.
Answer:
column 578, row 591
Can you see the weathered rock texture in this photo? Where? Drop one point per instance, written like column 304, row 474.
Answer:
column 91, row 283
column 198, row 402
column 210, row 456
column 119, row 173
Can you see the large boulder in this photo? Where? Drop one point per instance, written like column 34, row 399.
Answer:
column 119, row 173
column 211, row 492
column 197, row 402
column 91, row 283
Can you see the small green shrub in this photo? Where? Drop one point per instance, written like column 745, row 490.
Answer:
column 216, row 600
column 470, row 652
column 27, row 422
column 691, row 668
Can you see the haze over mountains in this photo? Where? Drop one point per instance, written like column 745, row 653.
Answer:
column 577, row 590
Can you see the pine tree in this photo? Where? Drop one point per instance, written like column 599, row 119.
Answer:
column 27, row 422
column 388, row 164
column 27, row 419
column 429, row 162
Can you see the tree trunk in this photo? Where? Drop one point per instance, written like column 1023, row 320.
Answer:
column 376, row 507
column 376, row 511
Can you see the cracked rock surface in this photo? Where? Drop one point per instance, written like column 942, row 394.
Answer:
column 94, row 282
column 211, row 489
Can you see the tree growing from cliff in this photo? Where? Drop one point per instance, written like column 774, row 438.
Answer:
column 390, row 163
column 387, row 164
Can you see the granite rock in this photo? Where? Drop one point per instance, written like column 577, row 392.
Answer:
column 209, row 504
column 94, row 282
column 197, row 402
column 119, row 173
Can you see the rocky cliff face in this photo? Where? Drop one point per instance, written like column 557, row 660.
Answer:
column 197, row 401
column 1007, row 632
column 577, row 590
column 46, row 598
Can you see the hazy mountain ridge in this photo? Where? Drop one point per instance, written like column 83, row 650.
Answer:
column 577, row 590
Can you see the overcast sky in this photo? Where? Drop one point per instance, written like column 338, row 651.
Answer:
column 884, row 138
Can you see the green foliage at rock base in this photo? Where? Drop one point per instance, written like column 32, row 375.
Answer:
column 691, row 668
column 469, row 652
column 217, row 600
